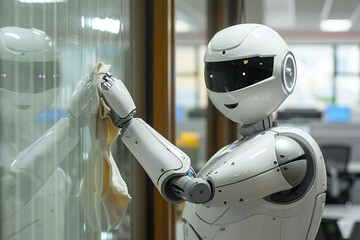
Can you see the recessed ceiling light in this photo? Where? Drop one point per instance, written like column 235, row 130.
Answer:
column 335, row 25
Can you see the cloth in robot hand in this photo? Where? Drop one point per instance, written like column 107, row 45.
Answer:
column 102, row 181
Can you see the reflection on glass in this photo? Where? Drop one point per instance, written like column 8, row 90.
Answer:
column 44, row 53
column 29, row 180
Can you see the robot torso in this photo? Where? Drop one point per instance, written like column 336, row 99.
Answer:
column 252, row 195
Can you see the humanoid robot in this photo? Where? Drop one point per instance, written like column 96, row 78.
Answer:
column 269, row 184
column 34, row 193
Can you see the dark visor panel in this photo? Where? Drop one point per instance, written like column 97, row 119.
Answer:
column 236, row 74
column 28, row 77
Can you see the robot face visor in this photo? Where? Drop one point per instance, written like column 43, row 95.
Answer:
column 232, row 75
column 28, row 77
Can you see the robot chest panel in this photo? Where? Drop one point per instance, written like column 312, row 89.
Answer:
column 242, row 159
column 256, row 220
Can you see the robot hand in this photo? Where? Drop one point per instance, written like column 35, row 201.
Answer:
column 118, row 99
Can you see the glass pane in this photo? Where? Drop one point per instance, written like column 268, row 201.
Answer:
column 46, row 49
column 347, row 59
column 191, row 96
column 348, row 91
column 347, row 75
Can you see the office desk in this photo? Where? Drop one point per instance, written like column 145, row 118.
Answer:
column 345, row 217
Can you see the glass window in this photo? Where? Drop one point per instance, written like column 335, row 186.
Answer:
column 327, row 74
column 347, row 91
column 46, row 48
column 191, row 96
column 347, row 59
column 347, row 78
column 315, row 65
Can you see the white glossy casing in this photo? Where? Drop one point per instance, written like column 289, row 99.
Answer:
column 257, row 218
column 119, row 99
column 257, row 101
column 160, row 159
column 248, row 171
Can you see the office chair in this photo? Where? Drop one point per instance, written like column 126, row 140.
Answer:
column 339, row 180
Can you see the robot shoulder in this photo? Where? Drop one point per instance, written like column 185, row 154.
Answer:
column 315, row 178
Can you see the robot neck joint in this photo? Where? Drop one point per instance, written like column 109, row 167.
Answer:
column 250, row 129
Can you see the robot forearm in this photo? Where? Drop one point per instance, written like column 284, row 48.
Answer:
column 167, row 166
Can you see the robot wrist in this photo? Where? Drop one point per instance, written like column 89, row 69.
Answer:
column 195, row 190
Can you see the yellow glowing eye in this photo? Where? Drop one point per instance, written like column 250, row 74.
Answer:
column 246, row 61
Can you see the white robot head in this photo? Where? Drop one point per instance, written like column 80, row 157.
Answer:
column 28, row 73
column 249, row 72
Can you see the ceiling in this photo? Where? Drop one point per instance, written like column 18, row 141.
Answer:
column 306, row 15
column 297, row 20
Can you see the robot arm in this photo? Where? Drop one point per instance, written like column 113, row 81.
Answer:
column 264, row 165
column 167, row 166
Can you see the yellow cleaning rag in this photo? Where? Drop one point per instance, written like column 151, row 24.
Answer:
column 102, row 180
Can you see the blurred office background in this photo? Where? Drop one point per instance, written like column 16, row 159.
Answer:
column 156, row 47
column 324, row 37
